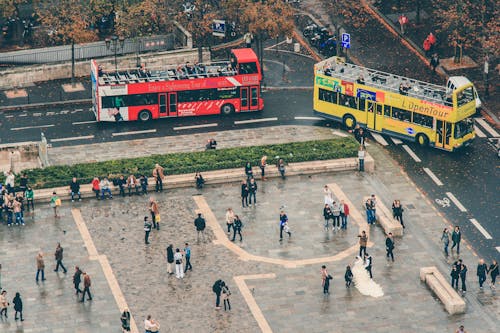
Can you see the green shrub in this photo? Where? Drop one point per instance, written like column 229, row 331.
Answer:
column 181, row 163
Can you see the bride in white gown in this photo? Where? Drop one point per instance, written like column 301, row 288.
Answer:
column 362, row 281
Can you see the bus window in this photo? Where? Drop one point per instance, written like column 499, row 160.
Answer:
column 465, row 96
column 422, row 120
column 348, row 101
column 387, row 110
column 248, row 68
column 463, row 128
column 361, row 104
column 379, row 109
column 401, row 114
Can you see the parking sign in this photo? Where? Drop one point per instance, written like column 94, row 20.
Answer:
column 219, row 28
column 346, row 41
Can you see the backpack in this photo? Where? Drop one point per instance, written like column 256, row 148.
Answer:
column 216, row 286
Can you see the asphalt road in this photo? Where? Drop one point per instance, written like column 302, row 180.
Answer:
column 464, row 186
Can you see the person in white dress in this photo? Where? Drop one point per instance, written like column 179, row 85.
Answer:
column 179, row 272
column 328, row 195
column 362, row 280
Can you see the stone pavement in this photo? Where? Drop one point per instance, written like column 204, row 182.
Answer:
column 281, row 294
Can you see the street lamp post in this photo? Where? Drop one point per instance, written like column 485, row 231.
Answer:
column 112, row 44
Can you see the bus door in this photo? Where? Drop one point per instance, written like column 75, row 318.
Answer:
column 245, row 103
column 374, row 115
column 254, row 98
column 172, row 104
column 443, row 134
column 162, row 105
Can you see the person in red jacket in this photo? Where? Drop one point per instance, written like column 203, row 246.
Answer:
column 96, row 187
column 427, row 47
column 344, row 213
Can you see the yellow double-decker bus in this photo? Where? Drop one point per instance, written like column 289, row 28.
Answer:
column 402, row 107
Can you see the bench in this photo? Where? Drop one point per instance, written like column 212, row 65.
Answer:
column 452, row 301
column 385, row 219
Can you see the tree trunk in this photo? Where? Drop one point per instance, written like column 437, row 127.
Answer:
column 418, row 12
column 72, row 63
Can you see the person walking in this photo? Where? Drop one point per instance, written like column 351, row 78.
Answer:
column 262, row 165
column 281, row 167
column 30, row 199
column 389, row 246
column 252, row 190
column 158, row 174
column 434, row 62
column 147, row 230
column 4, row 304
column 40, row 266
column 187, row 255
column 217, row 289
column 363, row 241
column 225, row 296
column 368, row 208
column 463, row 275
column 361, row 158
column 155, row 213
column 368, row 264
column 493, row 273
column 18, row 306
column 336, row 215
column 237, row 228
column 200, row 224
column 77, row 278
column 456, row 237
column 445, row 238
column 348, row 276
column 283, row 222
column 373, row 208
column 179, row 273
column 454, row 276
column 344, row 214
column 151, row 325
column 74, row 187
column 86, row 287
column 397, row 212
column 55, row 202
column 125, row 319
column 482, row 271
column 327, row 214
column 248, row 171
column 59, row 257
column 170, row 259
column 229, row 219
column 325, row 278
column 244, row 194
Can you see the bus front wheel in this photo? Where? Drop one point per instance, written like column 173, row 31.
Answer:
column 227, row 109
column 144, row 115
column 422, row 140
column 349, row 121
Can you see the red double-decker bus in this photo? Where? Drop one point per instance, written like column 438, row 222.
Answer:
column 178, row 90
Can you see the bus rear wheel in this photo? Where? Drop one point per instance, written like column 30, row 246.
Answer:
column 227, row 109
column 349, row 121
column 422, row 140
column 144, row 115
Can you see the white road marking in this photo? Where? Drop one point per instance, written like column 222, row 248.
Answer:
column 479, row 132
column 73, row 138
column 341, row 134
column 195, row 126
column 30, row 127
column 250, row 121
column 51, row 113
column 37, row 114
column 379, row 138
column 487, row 127
column 78, row 110
column 134, row 132
column 22, row 115
column 412, row 154
column 64, row 111
column 481, row 229
column 84, row 122
column 308, row 118
column 456, row 202
column 9, row 116
column 433, row 177
column 498, row 248
column 396, row 140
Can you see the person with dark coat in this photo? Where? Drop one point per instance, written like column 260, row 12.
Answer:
column 456, row 237
column 237, row 225
column 252, row 190
column 74, row 186
column 463, row 275
column 434, row 62
column 86, row 287
column 18, row 306
column 217, row 289
column 125, row 319
column 77, row 278
column 200, row 225
column 59, row 257
column 147, row 229
column 389, row 246
column 248, row 170
column 170, row 259
column 348, row 276
column 493, row 273
column 244, row 194
column 368, row 264
column 454, row 276
column 327, row 214
column 482, row 270
column 199, row 180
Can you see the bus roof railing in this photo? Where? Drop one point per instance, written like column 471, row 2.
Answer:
column 166, row 73
column 337, row 67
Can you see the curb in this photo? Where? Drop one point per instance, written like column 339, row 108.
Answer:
column 36, row 105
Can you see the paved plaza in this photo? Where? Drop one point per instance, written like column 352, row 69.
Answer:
column 276, row 286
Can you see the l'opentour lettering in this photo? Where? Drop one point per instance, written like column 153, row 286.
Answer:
column 428, row 108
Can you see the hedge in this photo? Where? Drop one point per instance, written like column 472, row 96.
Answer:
column 182, row 163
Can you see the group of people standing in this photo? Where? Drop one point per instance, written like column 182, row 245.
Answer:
column 233, row 221
column 336, row 211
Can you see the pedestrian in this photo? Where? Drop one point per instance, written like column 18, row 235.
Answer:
column 199, row 180
column 187, row 255
column 77, row 278
column 397, row 212
column 427, row 47
column 325, row 278
column 105, row 188
column 74, row 187
column 170, row 259
column 432, row 41
column 155, row 213
column 30, row 198
column 147, row 229
column 445, row 238
column 55, row 203
column 463, row 275
column 363, row 240
column 158, row 174
column 348, row 276
column 248, row 170
column 59, row 257
column 493, row 273
column 86, row 287
column 217, row 289
column 225, row 296
column 9, row 208
column 229, row 219
column 18, row 307
column 151, row 325
column 456, row 237
column 281, row 167
column 143, row 180
column 3, row 303
column 328, row 195
column 368, row 264
column 23, row 183
column 200, row 224
column 283, row 222
column 373, row 208
column 125, row 319
column 10, row 181
column 0, row 276
column 248, row 39
column 40, row 266
column 262, row 165
column 454, row 276
column 132, row 183
column 482, row 271
column 336, row 215
column 327, row 214
column 434, row 62
column 121, row 183
column 389, row 246
column 344, row 214
column 237, row 228
column 252, row 190
column 96, row 187
column 244, row 194
column 361, row 158
column 368, row 208
column 461, row 329
column 17, row 208
column 179, row 273
column 403, row 20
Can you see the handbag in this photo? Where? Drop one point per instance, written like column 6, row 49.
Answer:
column 157, row 217
column 58, row 202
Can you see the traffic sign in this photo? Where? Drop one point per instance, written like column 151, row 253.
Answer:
column 219, row 28
column 346, row 41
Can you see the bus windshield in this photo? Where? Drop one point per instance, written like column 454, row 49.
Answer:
column 465, row 96
column 463, row 128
